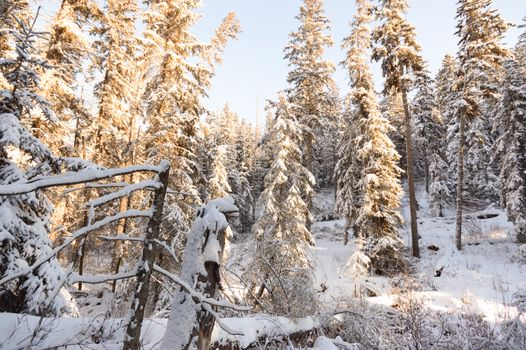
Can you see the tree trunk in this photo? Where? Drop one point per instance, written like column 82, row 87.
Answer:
column 460, row 180
column 133, row 330
column 410, row 169
column 309, row 157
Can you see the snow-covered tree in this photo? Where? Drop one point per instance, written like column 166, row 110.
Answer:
column 511, row 146
column 25, row 219
column 117, row 47
column 312, row 90
column 430, row 145
column 9, row 10
column 182, row 67
column 481, row 54
column 219, row 186
column 399, row 53
column 348, row 168
column 369, row 189
column 423, row 110
column 378, row 217
column 447, row 98
column 281, row 272
column 67, row 51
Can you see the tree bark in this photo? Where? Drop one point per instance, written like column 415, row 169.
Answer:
column 460, row 180
column 410, row 169
column 133, row 330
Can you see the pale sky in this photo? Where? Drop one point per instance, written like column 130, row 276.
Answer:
column 254, row 66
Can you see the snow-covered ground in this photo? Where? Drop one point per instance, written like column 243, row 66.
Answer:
column 482, row 279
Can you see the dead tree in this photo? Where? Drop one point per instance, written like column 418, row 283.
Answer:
column 191, row 319
column 133, row 330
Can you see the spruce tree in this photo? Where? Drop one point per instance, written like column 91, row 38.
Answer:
column 447, row 98
column 430, row 144
column 183, row 67
column 67, row 51
column 25, row 219
column 369, row 189
column 312, row 89
column 481, row 54
column 281, row 272
column 400, row 55
column 219, row 186
column 511, row 147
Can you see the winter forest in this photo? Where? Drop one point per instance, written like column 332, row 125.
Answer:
column 387, row 215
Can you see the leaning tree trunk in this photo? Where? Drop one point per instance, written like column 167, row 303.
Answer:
column 133, row 330
column 410, row 170
column 191, row 321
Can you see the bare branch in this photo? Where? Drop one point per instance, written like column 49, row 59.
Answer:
column 201, row 298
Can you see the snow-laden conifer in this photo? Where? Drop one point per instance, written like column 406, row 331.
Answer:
column 281, row 272
column 481, row 54
column 511, row 146
column 399, row 53
column 25, row 219
column 369, row 189
column 312, row 90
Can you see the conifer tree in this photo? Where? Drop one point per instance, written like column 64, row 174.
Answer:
column 117, row 45
column 369, row 189
column 25, row 219
column 430, row 144
column 447, row 98
column 67, row 51
column 348, row 168
column 511, row 147
column 10, row 12
column 312, row 89
column 400, row 55
column 281, row 272
column 219, row 186
column 481, row 53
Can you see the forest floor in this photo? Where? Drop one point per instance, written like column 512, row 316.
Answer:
column 481, row 279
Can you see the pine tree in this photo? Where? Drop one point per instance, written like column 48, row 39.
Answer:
column 447, row 98
column 219, row 186
column 25, row 219
column 369, row 189
column 117, row 46
column 424, row 110
column 430, row 145
column 511, row 147
column 348, row 168
column 400, row 55
column 182, row 67
column 378, row 216
column 67, row 51
column 312, row 89
column 281, row 271
column 11, row 11
column 520, row 50
column 481, row 54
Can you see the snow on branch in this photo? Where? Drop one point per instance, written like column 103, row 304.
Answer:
column 99, row 278
column 133, row 213
column 126, row 191
column 74, row 178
